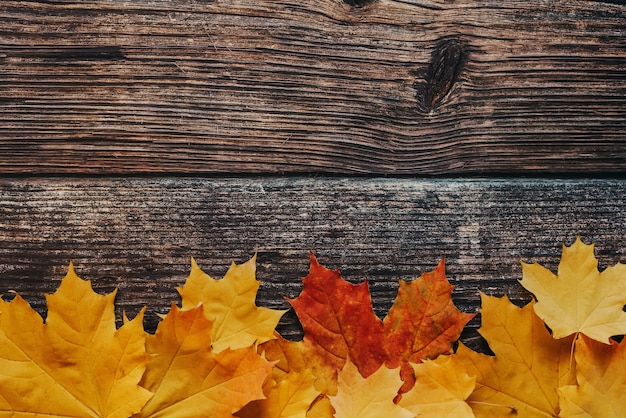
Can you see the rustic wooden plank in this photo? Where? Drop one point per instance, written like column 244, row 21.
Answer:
column 355, row 86
column 138, row 234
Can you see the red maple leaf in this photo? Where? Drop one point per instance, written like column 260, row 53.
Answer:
column 338, row 318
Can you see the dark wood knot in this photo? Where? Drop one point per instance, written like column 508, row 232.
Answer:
column 358, row 3
column 446, row 65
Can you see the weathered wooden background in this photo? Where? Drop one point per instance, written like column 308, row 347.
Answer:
column 382, row 135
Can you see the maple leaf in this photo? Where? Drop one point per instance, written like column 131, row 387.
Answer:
column 230, row 304
column 77, row 364
column 289, row 396
column 527, row 367
column 440, row 390
column 301, row 357
column 601, row 378
column 189, row 379
column 338, row 319
column 579, row 299
column 371, row 397
column 287, row 356
column 423, row 322
column 290, row 390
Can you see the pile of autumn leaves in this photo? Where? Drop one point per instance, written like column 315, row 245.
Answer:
column 219, row 354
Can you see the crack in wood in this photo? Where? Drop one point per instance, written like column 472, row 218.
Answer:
column 106, row 52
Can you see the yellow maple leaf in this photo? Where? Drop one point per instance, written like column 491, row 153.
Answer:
column 230, row 304
column 601, row 376
column 371, row 397
column 289, row 396
column 441, row 388
column 527, row 367
column 77, row 364
column 321, row 408
column 290, row 391
column 580, row 299
column 189, row 379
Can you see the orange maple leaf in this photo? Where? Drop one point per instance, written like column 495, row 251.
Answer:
column 601, row 381
column 527, row 367
column 580, row 299
column 77, row 364
column 422, row 323
column 230, row 304
column 189, row 379
column 287, row 356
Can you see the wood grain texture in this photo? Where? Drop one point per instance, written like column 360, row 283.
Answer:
column 328, row 86
column 138, row 234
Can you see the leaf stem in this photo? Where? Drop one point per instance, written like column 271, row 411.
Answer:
column 572, row 369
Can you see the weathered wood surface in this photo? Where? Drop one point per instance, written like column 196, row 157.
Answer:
column 138, row 234
column 240, row 86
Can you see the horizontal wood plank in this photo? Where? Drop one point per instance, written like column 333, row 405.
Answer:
column 328, row 86
column 138, row 234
